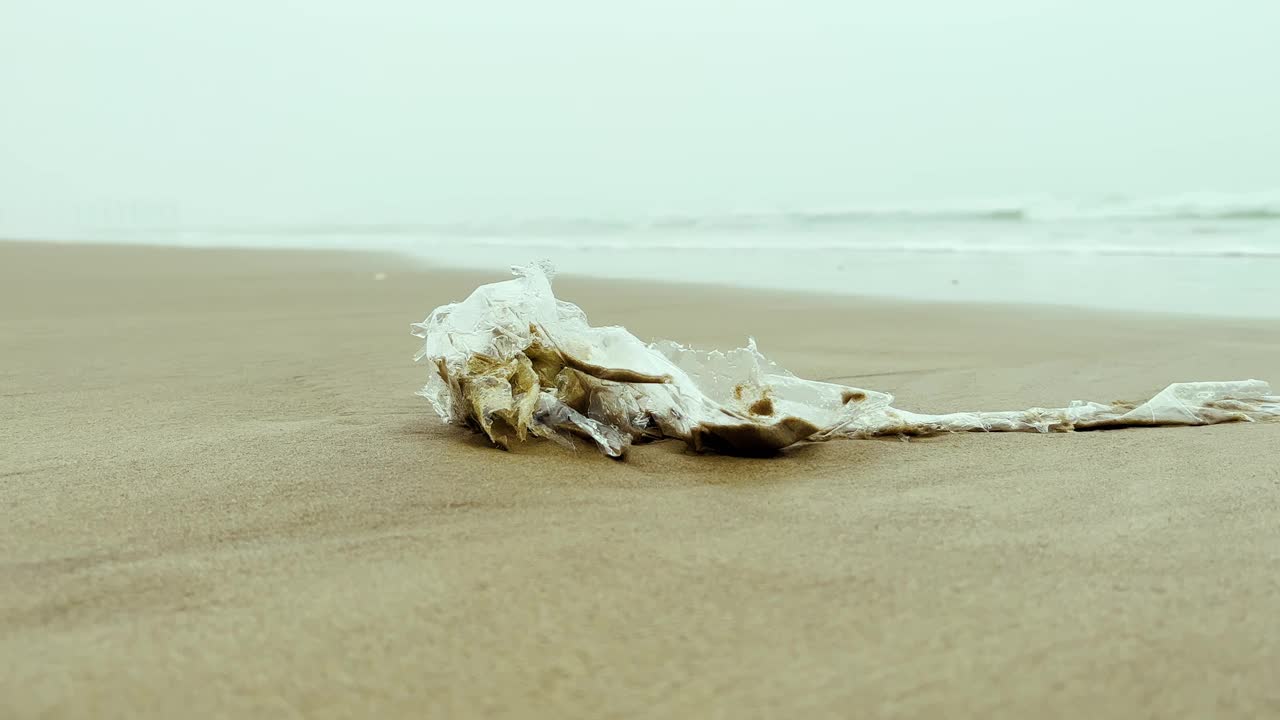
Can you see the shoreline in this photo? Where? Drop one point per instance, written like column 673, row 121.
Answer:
column 1261, row 302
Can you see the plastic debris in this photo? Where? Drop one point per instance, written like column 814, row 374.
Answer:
column 512, row 361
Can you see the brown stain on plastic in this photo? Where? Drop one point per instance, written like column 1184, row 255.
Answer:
column 750, row 439
column 849, row 396
column 763, row 406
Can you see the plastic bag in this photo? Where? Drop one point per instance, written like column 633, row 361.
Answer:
column 512, row 361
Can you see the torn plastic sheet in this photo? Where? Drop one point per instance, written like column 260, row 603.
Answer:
column 512, row 361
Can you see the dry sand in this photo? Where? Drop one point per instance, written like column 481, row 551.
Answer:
column 221, row 498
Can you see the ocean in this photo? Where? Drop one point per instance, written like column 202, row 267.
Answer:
column 1195, row 254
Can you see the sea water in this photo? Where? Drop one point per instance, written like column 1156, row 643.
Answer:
column 1201, row 254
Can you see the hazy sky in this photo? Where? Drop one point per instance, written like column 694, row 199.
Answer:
column 368, row 110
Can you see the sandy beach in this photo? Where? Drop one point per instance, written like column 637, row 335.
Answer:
column 219, row 497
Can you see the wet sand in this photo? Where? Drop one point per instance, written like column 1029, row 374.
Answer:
column 219, row 497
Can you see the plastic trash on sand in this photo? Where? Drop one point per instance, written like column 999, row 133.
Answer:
column 512, row 361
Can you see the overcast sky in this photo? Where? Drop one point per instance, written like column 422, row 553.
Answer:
column 245, row 111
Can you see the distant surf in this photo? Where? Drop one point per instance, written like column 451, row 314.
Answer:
column 1201, row 225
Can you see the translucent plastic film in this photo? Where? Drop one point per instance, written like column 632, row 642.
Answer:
column 512, row 361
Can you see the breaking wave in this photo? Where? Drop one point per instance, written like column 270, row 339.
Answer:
column 1187, row 226
column 1252, row 207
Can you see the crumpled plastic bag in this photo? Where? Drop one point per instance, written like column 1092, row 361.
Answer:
column 512, row 361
